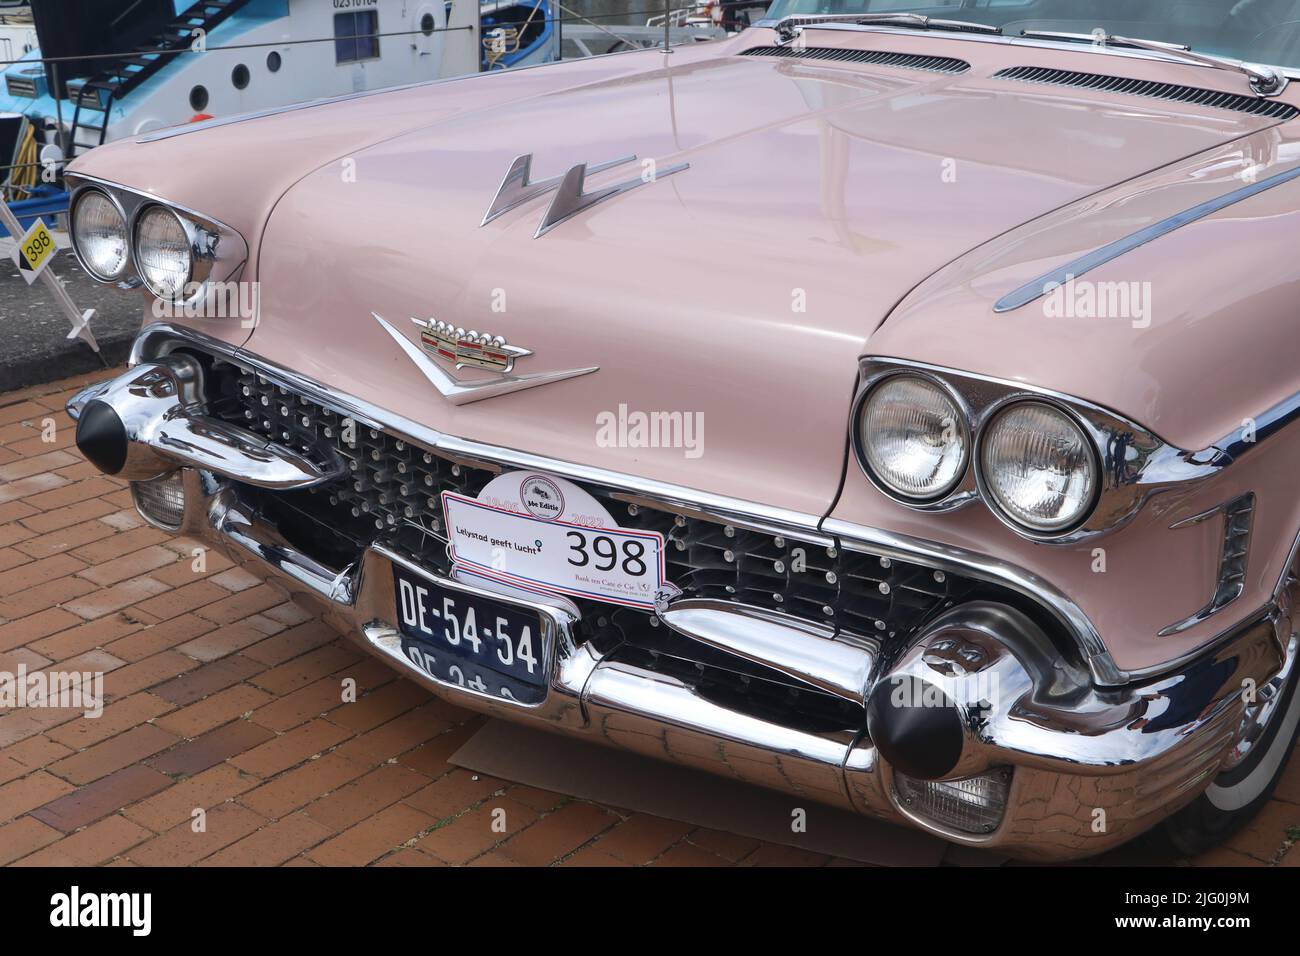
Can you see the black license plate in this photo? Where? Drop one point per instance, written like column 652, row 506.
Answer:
column 462, row 638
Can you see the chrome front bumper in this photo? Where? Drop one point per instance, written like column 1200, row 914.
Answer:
column 1084, row 778
column 1088, row 766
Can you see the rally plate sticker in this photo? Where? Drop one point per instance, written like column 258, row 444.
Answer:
column 544, row 533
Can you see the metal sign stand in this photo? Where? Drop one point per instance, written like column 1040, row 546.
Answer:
column 80, row 319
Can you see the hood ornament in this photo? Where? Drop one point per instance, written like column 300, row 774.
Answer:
column 473, row 349
column 570, row 198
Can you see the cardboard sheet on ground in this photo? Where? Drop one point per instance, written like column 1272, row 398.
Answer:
column 621, row 779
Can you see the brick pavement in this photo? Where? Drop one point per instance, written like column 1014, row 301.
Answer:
column 226, row 699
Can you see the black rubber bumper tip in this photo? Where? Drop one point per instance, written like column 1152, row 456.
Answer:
column 101, row 437
column 915, row 726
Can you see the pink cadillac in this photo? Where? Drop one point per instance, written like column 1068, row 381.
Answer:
column 894, row 410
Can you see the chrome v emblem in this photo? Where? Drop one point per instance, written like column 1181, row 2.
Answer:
column 463, row 393
column 570, row 199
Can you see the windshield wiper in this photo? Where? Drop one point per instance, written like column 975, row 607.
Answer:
column 1264, row 80
column 788, row 27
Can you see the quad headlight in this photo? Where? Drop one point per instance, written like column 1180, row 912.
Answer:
column 100, row 235
column 913, row 438
column 1037, row 467
column 133, row 238
column 163, row 253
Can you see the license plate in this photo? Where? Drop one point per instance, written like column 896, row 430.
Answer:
column 604, row 563
column 462, row 638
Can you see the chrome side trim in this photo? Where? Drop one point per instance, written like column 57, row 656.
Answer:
column 463, row 393
column 1267, row 423
column 1057, row 277
column 1230, row 584
column 570, row 199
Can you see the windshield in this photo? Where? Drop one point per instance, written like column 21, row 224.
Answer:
column 1263, row 31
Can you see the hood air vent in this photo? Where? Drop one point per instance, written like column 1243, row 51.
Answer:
column 1236, row 102
column 911, row 61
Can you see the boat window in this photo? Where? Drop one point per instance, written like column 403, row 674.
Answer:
column 239, row 76
column 426, row 24
column 199, row 99
column 356, row 36
column 273, row 61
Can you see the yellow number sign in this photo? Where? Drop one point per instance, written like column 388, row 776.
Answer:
column 35, row 251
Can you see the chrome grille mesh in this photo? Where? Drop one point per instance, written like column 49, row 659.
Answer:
column 910, row 61
column 1239, row 103
column 392, row 494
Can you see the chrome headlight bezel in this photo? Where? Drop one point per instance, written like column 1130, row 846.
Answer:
column 217, row 251
column 82, row 260
column 1132, row 462
column 957, row 490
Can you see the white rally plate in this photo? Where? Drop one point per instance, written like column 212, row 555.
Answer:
column 542, row 532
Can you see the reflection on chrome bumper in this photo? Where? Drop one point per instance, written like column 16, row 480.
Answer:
column 1086, row 773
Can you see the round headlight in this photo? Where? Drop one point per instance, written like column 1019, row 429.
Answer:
column 913, row 438
column 100, row 234
column 1038, row 467
column 162, row 253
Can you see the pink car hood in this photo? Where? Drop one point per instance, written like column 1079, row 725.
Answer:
column 743, row 289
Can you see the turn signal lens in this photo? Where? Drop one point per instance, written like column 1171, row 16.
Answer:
column 972, row 805
column 161, row 501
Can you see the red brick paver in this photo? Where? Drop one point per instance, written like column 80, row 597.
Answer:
column 225, row 739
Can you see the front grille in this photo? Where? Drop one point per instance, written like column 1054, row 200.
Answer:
column 392, row 496
column 910, row 61
column 1239, row 103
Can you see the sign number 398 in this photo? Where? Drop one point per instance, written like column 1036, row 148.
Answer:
column 604, row 554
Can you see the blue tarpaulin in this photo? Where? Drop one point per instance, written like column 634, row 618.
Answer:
column 45, row 203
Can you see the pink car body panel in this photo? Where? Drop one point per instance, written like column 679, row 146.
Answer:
column 804, row 177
